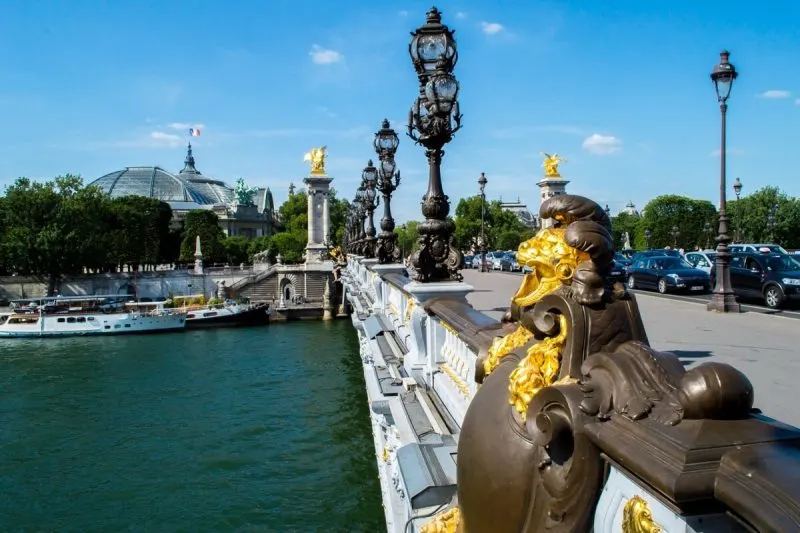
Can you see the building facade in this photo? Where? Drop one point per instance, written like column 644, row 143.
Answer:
column 248, row 212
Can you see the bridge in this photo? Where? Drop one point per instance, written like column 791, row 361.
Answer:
column 645, row 426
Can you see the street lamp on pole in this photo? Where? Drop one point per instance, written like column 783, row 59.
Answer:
column 482, row 181
column 708, row 229
column 433, row 119
column 370, row 201
column 647, row 235
column 723, row 299
column 386, row 143
column 737, row 232
column 772, row 219
column 675, row 232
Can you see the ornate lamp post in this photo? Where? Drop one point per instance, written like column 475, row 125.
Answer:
column 675, row 233
column 772, row 219
column 386, row 142
column 709, row 231
column 647, row 235
column 370, row 201
column 404, row 228
column 360, row 216
column 608, row 211
column 435, row 117
column 737, row 190
column 723, row 299
column 482, row 181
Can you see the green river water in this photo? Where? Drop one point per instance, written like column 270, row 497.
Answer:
column 254, row 430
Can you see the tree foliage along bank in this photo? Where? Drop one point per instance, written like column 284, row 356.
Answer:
column 503, row 230
column 748, row 221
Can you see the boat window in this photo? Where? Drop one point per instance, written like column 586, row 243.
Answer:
column 23, row 320
column 127, row 325
column 81, row 319
column 70, row 319
column 107, row 327
column 210, row 313
column 117, row 326
column 190, row 315
column 61, row 319
column 90, row 318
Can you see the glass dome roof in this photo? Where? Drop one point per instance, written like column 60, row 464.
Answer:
column 154, row 182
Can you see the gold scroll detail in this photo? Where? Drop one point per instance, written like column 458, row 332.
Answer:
column 317, row 159
column 553, row 263
column 550, row 165
column 447, row 522
column 409, row 309
column 538, row 370
column 637, row 518
column 503, row 346
column 457, row 380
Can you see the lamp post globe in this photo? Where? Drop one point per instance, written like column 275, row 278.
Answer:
column 388, row 179
column 647, row 235
column 723, row 299
column 675, row 232
column 482, row 245
column 430, row 42
column 737, row 187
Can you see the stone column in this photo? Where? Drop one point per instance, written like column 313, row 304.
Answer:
column 326, row 220
column 549, row 187
column 311, row 219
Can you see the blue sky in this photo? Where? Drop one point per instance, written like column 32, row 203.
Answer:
column 619, row 88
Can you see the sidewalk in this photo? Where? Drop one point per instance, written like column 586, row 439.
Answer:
column 766, row 348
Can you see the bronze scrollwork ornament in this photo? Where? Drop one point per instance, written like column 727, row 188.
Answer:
column 575, row 357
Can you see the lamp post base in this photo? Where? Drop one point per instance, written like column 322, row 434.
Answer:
column 724, row 303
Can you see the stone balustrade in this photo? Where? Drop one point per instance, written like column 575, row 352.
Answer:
column 607, row 452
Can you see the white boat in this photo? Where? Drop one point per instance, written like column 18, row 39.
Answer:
column 88, row 315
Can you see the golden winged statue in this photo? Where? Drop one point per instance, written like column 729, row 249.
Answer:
column 551, row 163
column 317, row 159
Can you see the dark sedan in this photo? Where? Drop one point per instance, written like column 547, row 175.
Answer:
column 618, row 272
column 667, row 273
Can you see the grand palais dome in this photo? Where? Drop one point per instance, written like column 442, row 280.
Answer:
column 186, row 190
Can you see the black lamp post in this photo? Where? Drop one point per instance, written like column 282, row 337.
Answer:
column 608, row 212
column 404, row 229
column 708, row 229
column 647, row 235
column 360, row 219
column 386, row 143
column 737, row 190
column 723, row 299
column 435, row 117
column 370, row 201
column 772, row 220
column 675, row 232
column 482, row 181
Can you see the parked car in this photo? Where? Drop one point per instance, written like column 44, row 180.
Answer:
column 703, row 260
column 515, row 267
column 773, row 278
column 623, row 260
column 498, row 261
column 468, row 261
column 618, row 272
column 757, row 248
column 667, row 273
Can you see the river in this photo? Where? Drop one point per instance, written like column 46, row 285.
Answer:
column 258, row 430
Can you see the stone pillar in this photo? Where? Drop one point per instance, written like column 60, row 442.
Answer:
column 549, row 187
column 327, row 301
column 318, row 223
column 326, row 220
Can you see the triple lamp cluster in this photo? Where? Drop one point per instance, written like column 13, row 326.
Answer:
column 433, row 119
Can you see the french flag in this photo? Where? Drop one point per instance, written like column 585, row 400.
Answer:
column 194, row 132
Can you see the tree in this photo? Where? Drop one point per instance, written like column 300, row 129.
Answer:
column 206, row 225
column 53, row 228
column 290, row 245
column 407, row 237
column 687, row 214
column 625, row 223
column 140, row 227
column 497, row 222
column 749, row 217
column 236, row 249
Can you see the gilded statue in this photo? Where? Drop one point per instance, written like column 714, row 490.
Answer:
column 317, row 159
column 551, row 163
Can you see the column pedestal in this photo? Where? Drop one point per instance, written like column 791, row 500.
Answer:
column 549, row 187
column 318, row 223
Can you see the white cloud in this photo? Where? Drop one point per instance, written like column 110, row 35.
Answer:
column 797, row 102
column 728, row 151
column 163, row 138
column 461, row 15
column 323, row 56
column 327, row 112
column 185, row 126
column 491, row 28
column 775, row 94
column 602, row 144
column 403, row 13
